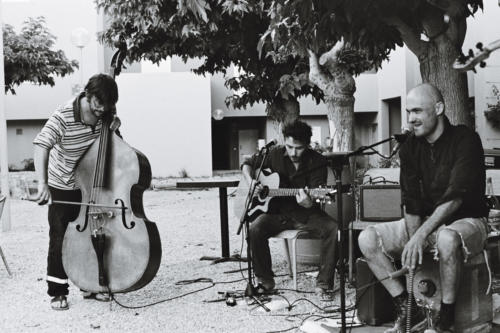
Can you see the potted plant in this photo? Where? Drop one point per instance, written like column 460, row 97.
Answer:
column 492, row 114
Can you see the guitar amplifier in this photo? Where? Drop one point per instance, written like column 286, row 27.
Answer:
column 374, row 304
column 380, row 203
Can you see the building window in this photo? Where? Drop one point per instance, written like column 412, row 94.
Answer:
column 19, row 131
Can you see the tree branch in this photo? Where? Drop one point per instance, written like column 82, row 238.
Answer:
column 410, row 37
column 454, row 8
column 316, row 75
column 456, row 26
column 456, row 31
column 330, row 58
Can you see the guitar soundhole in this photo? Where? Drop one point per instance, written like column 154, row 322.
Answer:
column 264, row 193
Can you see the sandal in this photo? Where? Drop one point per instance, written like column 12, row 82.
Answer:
column 59, row 303
column 101, row 297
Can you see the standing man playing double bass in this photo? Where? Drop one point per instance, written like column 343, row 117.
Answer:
column 64, row 139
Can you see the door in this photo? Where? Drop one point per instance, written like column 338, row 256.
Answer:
column 247, row 140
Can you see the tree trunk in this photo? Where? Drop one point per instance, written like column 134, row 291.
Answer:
column 281, row 112
column 339, row 86
column 436, row 68
column 341, row 120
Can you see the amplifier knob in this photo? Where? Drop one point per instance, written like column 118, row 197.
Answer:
column 426, row 288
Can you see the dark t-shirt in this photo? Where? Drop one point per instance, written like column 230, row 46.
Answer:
column 312, row 173
column 450, row 168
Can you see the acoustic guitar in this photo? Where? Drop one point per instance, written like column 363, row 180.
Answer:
column 263, row 201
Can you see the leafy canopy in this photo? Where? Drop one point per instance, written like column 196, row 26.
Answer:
column 375, row 27
column 221, row 32
column 29, row 57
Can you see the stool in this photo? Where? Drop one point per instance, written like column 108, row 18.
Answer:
column 473, row 306
column 291, row 256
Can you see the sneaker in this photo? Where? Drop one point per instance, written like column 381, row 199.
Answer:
column 262, row 289
column 265, row 286
column 59, row 303
column 324, row 294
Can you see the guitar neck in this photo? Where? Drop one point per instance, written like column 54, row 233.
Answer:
column 288, row 192
column 469, row 62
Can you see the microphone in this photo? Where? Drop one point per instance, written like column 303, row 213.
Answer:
column 400, row 139
column 269, row 144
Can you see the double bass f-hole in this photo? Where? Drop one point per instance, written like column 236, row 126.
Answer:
column 132, row 223
column 78, row 227
column 108, row 214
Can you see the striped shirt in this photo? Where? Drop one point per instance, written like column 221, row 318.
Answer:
column 68, row 139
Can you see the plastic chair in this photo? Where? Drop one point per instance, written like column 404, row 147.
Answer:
column 2, row 202
column 292, row 235
column 291, row 251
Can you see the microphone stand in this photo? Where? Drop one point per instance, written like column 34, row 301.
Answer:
column 337, row 161
column 244, row 221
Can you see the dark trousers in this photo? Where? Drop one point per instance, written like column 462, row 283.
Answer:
column 318, row 223
column 59, row 217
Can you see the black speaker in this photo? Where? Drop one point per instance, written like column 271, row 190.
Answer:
column 380, row 203
column 374, row 303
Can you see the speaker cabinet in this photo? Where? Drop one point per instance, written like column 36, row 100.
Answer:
column 374, row 304
column 380, row 203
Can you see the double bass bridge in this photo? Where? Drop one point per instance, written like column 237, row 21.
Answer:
column 109, row 214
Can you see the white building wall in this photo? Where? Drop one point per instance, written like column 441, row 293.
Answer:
column 166, row 116
column 20, row 135
column 485, row 28
column 219, row 94
column 391, row 82
column 391, row 78
column 367, row 92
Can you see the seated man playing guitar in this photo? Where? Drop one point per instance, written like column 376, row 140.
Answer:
column 300, row 167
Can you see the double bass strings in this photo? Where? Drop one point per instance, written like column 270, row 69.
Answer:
column 97, row 222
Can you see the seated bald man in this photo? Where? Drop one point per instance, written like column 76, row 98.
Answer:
column 442, row 187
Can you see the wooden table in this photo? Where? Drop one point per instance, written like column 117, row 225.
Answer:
column 224, row 225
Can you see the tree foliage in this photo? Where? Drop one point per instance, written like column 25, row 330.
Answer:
column 434, row 30
column 29, row 57
column 221, row 32
column 296, row 28
column 375, row 26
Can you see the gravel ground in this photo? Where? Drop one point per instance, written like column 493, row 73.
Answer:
column 188, row 222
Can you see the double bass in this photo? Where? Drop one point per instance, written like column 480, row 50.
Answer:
column 112, row 246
